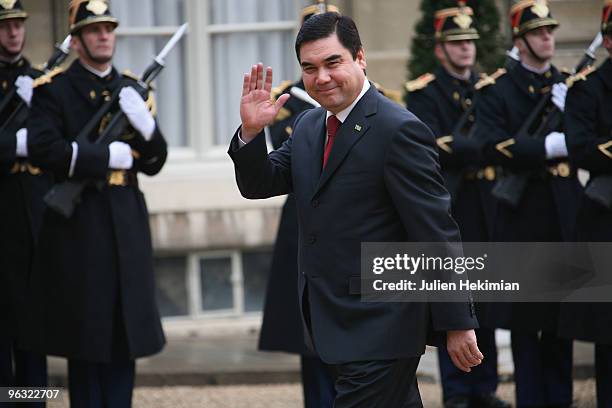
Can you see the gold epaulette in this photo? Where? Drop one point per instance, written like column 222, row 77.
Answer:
column 419, row 83
column 48, row 77
column 490, row 79
column 282, row 114
column 278, row 90
column 580, row 76
column 394, row 95
column 566, row 70
column 130, row 74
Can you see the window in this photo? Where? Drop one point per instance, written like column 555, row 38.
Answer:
column 217, row 283
column 171, row 291
column 242, row 33
column 145, row 26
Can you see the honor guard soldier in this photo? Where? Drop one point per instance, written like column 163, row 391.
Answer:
column 22, row 187
column 93, row 281
column 281, row 328
column 443, row 100
column 589, row 142
column 517, row 137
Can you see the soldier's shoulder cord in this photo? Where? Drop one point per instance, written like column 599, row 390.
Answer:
column 394, row 95
column 490, row 79
column 280, row 89
column 419, row 83
column 277, row 91
column 48, row 77
column 580, row 76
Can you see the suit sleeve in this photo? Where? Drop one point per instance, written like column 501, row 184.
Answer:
column 49, row 147
column 518, row 152
column 584, row 145
column 259, row 174
column 417, row 190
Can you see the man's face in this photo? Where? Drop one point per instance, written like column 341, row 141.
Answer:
column 99, row 40
column 12, row 37
column 461, row 53
column 542, row 42
column 330, row 74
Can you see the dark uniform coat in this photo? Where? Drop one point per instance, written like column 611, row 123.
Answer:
column 440, row 101
column 22, row 187
column 589, row 136
column 368, row 192
column 93, row 277
column 547, row 209
column 281, row 328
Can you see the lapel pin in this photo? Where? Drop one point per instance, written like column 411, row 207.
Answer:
column 358, row 128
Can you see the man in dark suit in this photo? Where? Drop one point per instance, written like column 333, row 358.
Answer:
column 93, row 287
column 442, row 100
column 22, row 187
column 362, row 169
column 589, row 143
column 545, row 210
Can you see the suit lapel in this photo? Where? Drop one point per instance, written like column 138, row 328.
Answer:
column 317, row 143
column 353, row 129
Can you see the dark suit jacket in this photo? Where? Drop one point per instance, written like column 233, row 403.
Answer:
column 382, row 183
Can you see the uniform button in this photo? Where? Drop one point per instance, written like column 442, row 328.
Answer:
column 315, row 203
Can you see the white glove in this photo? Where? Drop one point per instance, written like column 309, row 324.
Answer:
column 25, row 88
column 559, row 92
column 22, row 142
column 136, row 110
column 555, row 145
column 120, row 156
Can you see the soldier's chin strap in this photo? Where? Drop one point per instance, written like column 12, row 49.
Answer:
column 531, row 51
column 91, row 57
column 452, row 63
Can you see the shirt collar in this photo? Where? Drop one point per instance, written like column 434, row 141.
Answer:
column 538, row 71
column 342, row 115
column 100, row 74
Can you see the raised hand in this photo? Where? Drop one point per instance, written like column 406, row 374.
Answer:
column 257, row 109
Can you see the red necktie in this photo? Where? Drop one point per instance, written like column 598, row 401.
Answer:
column 332, row 127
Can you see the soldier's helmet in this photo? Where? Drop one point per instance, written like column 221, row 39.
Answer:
column 527, row 15
column 319, row 7
column 606, row 18
column 87, row 12
column 10, row 9
column 455, row 24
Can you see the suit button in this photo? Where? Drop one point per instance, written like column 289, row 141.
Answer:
column 312, row 239
column 315, row 203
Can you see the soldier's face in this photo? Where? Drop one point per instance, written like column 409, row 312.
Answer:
column 541, row 40
column 461, row 53
column 330, row 74
column 99, row 40
column 12, row 37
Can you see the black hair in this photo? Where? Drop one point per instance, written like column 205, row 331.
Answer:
column 324, row 25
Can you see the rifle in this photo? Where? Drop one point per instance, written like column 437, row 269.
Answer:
column 18, row 117
column 65, row 196
column 454, row 179
column 510, row 188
